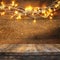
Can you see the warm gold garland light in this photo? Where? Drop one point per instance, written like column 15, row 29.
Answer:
column 17, row 12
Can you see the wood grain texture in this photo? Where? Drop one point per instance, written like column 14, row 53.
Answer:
column 29, row 48
column 30, row 51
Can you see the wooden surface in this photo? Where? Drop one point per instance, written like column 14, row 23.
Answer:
column 30, row 51
column 18, row 56
column 30, row 48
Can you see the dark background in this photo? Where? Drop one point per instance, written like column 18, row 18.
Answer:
column 48, row 2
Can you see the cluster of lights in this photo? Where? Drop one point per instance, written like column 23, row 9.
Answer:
column 17, row 12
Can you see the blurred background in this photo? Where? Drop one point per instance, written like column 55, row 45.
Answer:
column 26, row 30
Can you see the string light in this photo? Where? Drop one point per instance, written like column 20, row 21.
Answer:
column 2, row 5
column 51, row 14
column 29, row 10
column 34, row 21
column 50, row 18
column 3, row 13
column 9, row 7
column 16, row 12
column 13, row 3
column 19, row 16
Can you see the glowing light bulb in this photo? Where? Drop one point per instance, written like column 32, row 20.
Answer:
column 2, row 13
column 51, row 14
column 56, row 5
column 18, row 17
column 9, row 7
column 36, row 9
column 16, row 12
column 3, row 5
column 50, row 18
column 34, row 21
column 29, row 8
column 16, row 5
column 13, row 3
column 58, row 2
column 43, row 11
column 54, row 9
column 50, row 10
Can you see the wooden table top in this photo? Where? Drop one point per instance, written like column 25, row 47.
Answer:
column 29, row 48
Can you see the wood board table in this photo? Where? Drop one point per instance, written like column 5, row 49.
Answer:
column 30, row 51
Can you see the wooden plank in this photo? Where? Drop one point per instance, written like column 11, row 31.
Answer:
column 29, row 48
